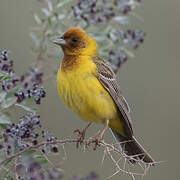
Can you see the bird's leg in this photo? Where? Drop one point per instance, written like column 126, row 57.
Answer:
column 81, row 134
column 97, row 140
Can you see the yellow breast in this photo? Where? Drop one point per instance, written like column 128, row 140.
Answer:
column 80, row 89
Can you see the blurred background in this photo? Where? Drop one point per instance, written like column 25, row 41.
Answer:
column 150, row 82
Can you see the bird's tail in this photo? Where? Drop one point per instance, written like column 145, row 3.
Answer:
column 133, row 149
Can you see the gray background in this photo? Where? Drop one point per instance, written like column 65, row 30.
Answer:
column 150, row 83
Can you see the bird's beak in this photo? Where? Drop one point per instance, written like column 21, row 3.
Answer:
column 58, row 40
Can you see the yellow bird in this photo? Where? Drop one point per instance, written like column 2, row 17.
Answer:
column 88, row 85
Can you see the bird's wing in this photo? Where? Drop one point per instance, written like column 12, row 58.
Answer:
column 108, row 79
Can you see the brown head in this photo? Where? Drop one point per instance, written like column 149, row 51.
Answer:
column 77, row 42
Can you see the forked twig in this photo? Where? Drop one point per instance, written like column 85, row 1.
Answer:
column 108, row 149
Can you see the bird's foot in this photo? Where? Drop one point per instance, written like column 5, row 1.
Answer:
column 96, row 142
column 81, row 136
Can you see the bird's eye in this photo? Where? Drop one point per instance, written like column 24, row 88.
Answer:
column 74, row 39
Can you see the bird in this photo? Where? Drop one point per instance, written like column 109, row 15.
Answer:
column 87, row 84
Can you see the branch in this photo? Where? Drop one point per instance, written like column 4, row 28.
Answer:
column 108, row 149
column 112, row 147
column 37, row 146
column 41, row 48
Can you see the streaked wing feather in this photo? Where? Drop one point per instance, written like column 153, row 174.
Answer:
column 108, row 79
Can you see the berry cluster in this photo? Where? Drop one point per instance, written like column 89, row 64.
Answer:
column 21, row 134
column 133, row 37
column 48, row 137
column 94, row 12
column 6, row 64
column 28, row 85
column 24, row 133
column 9, row 83
column 125, row 6
column 116, row 59
column 28, row 168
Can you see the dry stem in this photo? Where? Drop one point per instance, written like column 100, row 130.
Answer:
column 108, row 150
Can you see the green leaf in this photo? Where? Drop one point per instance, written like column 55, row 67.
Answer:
column 46, row 12
column 10, row 94
column 3, row 126
column 41, row 159
column 61, row 16
column 2, row 96
column 100, row 38
column 34, row 38
column 121, row 19
column 49, row 20
column 62, row 3
column 29, row 152
column 4, row 76
column 29, row 100
column 7, row 176
column 8, row 161
column 50, row 6
column 26, row 108
column 8, row 103
column 129, row 53
column 37, row 18
column 56, row 14
column 4, row 119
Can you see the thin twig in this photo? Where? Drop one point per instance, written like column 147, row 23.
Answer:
column 36, row 147
column 108, row 149
column 47, row 159
column 41, row 48
column 16, row 174
column 55, row 142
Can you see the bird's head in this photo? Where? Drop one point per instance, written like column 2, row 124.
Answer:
column 77, row 42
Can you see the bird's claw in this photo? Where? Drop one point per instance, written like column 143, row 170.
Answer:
column 81, row 136
column 96, row 142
